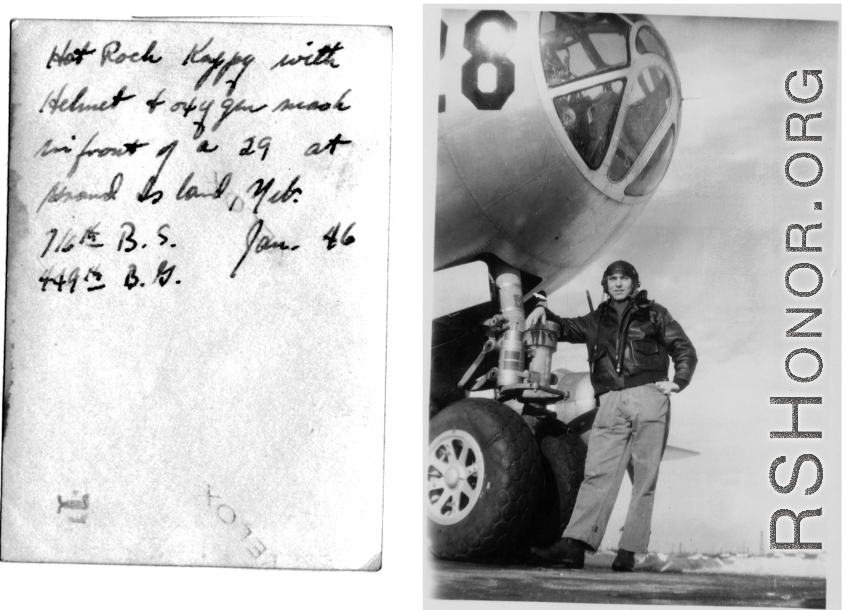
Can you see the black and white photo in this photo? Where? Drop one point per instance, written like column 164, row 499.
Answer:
column 635, row 233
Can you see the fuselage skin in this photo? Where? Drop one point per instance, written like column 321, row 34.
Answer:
column 511, row 183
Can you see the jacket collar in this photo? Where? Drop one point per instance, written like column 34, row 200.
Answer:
column 640, row 300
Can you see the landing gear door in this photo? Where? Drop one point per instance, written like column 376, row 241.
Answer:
column 460, row 287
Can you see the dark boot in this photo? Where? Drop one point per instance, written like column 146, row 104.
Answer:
column 624, row 562
column 567, row 552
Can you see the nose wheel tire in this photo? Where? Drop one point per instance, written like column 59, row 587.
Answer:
column 484, row 482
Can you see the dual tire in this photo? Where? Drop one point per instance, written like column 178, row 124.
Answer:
column 494, row 488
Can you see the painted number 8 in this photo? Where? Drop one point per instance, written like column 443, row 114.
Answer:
column 488, row 36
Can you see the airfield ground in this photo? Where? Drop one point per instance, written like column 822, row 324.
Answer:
column 598, row 584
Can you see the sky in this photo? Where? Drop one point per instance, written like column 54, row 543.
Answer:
column 710, row 248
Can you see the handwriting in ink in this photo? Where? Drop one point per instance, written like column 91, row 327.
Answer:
column 128, row 148
column 67, row 57
column 164, row 273
column 93, row 278
column 315, row 149
column 264, row 145
column 331, row 236
column 132, row 147
column 323, row 57
column 186, row 108
column 60, row 280
column 147, row 192
column 219, row 63
column 155, row 102
column 48, row 148
column 132, row 243
column 203, row 147
column 163, row 238
column 67, row 243
column 265, row 243
column 230, row 106
column 60, row 193
column 131, row 280
column 60, row 103
column 95, row 275
column 188, row 191
column 287, row 104
column 127, row 237
column 236, row 203
column 89, row 238
column 112, row 53
column 262, row 188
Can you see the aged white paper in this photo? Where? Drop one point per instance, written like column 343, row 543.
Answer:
column 196, row 294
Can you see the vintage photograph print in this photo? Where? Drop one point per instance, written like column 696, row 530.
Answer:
column 634, row 382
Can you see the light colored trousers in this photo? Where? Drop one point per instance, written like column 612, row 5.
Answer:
column 629, row 433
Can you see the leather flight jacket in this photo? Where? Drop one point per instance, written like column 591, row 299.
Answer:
column 633, row 350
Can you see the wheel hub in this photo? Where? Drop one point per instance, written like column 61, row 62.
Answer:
column 455, row 475
column 452, row 478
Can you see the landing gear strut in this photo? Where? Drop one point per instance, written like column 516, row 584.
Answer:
column 495, row 484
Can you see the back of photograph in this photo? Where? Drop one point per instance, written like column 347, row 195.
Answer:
column 196, row 294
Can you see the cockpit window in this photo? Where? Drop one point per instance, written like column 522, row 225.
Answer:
column 589, row 118
column 647, row 41
column 648, row 104
column 578, row 45
column 654, row 170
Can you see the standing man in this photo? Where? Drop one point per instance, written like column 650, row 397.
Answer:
column 629, row 339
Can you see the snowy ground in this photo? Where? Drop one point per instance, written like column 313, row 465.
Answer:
column 785, row 565
column 750, row 581
column 778, row 566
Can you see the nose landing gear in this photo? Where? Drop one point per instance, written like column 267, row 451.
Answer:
column 497, row 485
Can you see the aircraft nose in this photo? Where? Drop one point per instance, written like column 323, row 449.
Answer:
column 620, row 124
